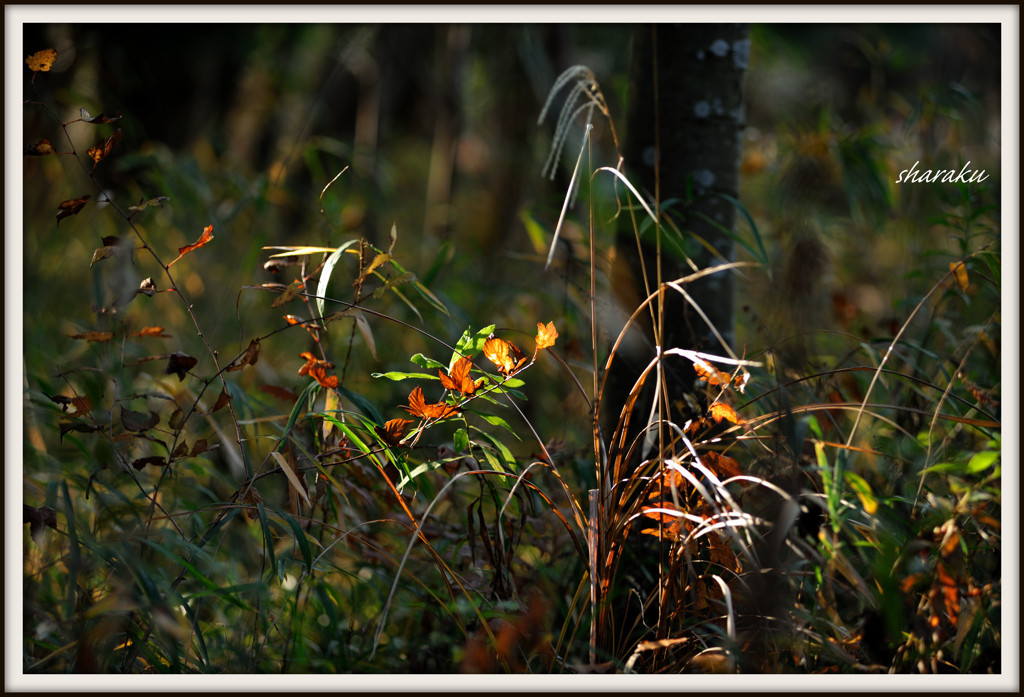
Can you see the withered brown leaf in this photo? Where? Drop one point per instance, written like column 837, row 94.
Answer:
column 103, row 148
column 251, row 355
column 137, row 422
column 179, row 364
column 100, row 118
column 71, row 207
column 41, row 148
column 93, row 336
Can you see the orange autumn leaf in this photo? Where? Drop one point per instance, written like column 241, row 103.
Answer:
column 546, row 335
column 713, row 377
column 103, row 148
column 393, row 431
column 458, row 379
column 723, row 466
column 419, row 408
column 308, row 326
column 41, row 60
column 72, row 207
column 201, row 242
column 720, row 410
column 152, row 331
column 93, row 336
column 318, row 371
column 504, row 354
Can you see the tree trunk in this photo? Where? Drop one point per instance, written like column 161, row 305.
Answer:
column 692, row 127
column 683, row 148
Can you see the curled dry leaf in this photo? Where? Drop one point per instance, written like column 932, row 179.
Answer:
column 289, row 294
column 546, row 335
column 311, row 327
column 393, row 431
column 179, row 364
column 201, row 242
column 41, row 61
column 251, row 497
column 41, row 148
column 181, row 451
column 137, row 422
column 147, row 287
column 505, row 355
column 458, row 379
column 71, row 207
column 419, row 408
column 251, row 355
column 151, row 202
column 84, row 428
column 723, row 466
column 712, row 376
column 200, row 447
column 110, row 245
column 154, row 460
column 93, row 336
column 222, row 401
column 101, row 118
column 103, row 148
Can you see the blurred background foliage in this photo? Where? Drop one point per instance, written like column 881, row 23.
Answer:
column 243, row 126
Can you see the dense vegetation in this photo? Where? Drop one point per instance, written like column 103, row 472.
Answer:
column 284, row 412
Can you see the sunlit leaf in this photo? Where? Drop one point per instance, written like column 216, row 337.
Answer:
column 179, row 364
column 72, row 207
column 201, row 242
column 505, row 355
column 712, row 376
column 41, row 61
column 393, row 431
column 419, row 408
column 103, row 148
column 458, row 379
column 546, row 335
column 377, row 262
column 720, row 410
